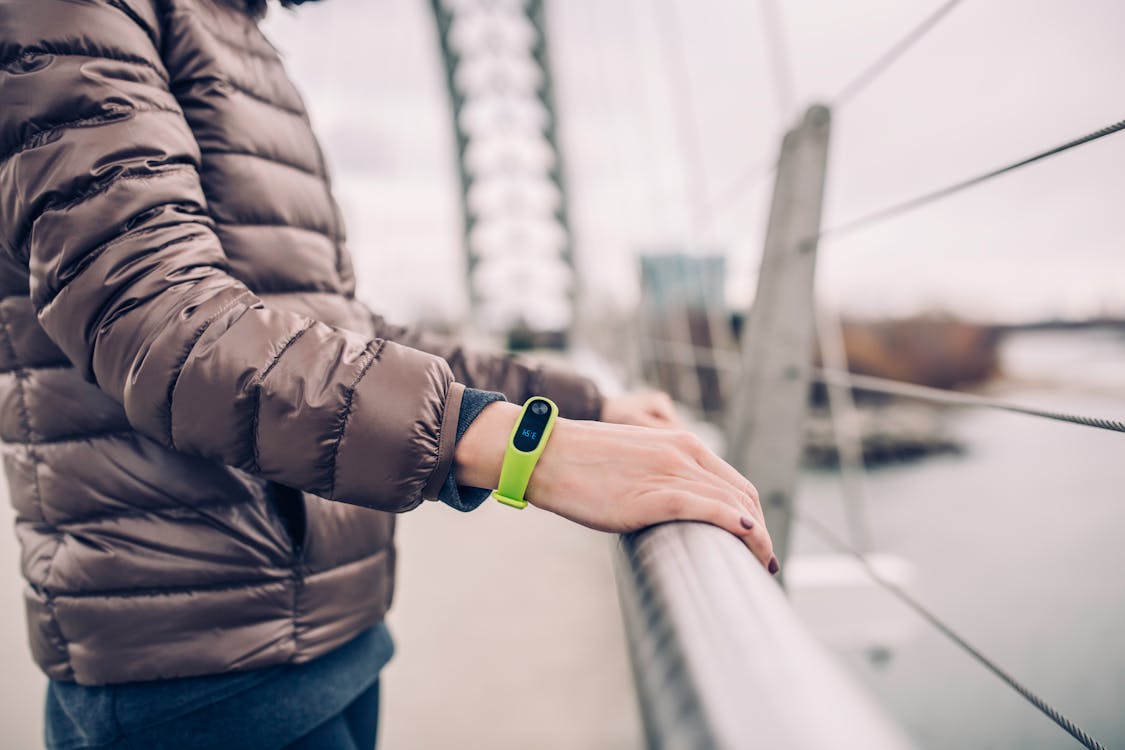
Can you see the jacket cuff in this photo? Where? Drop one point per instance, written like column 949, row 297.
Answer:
column 576, row 395
column 446, row 442
column 458, row 496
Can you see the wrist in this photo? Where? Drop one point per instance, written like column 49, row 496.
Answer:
column 480, row 451
column 547, row 473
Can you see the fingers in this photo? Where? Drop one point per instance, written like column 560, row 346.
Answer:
column 648, row 419
column 686, row 505
column 712, row 463
column 663, row 409
column 731, row 487
column 644, row 409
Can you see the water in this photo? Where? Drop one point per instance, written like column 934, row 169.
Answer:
column 1018, row 545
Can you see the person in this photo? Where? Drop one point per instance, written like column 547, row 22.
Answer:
column 210, row 433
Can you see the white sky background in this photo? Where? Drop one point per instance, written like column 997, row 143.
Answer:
column 996, row 81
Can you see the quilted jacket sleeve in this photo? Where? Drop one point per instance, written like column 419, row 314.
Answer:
column 100, row 196
column 576, row 396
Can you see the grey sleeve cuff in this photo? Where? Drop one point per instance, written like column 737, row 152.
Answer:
column 455, row 495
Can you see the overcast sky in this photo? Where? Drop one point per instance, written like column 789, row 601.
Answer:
column 656, row 96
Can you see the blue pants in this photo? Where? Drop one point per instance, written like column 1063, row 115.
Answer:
column 354, row 728
column 330, row 703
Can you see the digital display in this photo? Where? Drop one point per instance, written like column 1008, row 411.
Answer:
column 530, row 429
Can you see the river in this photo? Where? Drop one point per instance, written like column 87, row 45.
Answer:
column 1017, row 544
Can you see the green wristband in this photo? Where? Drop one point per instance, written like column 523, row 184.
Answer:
column 525, row 445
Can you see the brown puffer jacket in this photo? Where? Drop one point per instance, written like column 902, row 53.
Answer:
column 180, row 346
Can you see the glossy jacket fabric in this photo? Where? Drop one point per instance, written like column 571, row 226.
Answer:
column 205, row 430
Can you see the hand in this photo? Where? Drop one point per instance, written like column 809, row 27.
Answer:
column 643, row 409
column 621, row 478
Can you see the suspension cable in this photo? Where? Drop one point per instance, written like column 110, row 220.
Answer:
column 935, row 195
column 957, row 398
column 693, row 162
column 926, row 614
column 779, row 58
column 781, row 69
column 676, row 351
column 744, row 183
column 891, row 56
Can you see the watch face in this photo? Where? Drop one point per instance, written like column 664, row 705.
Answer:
column 529, row 432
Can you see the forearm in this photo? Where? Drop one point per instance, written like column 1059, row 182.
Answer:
column 514, row 376
column 620, row 478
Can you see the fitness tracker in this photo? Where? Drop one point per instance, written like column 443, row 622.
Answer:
column 526, row 444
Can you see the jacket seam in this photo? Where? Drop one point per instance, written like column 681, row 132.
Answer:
column 383, row 550
column 178, row 371
column 72, row 437
column 89, row 258
column 25, row 426
column 65, row 364
column 120, row 113
column 184, row 590
column 310, row 171
column 266, row 223
column 346, row 411
column 255, row 415
column 302, row 290
column 158, row 511
column 24, row 416
column 46, row 48
column 251, row 94
column 296, row 289
column 171, row 166
column 189, row 589
column 140, row 173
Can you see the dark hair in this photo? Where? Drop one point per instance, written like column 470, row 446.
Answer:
column 257, row 8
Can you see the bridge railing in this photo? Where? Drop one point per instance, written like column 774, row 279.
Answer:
column 721, row 660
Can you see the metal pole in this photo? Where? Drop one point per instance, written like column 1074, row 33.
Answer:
column 764, row 432
column 720, row 659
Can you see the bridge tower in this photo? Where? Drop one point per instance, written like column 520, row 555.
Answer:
column 520, row 266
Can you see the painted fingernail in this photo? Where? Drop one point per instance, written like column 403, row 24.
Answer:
column 774, row 566
column 746, row 523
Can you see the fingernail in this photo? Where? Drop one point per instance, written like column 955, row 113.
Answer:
column 746, row 523
column 774, row 566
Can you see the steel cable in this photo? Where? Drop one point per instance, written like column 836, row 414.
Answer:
column 748, row 180
column 935, row 195
column 926, row 614
column 781, row 69
column 888, row 58
column 957, row 398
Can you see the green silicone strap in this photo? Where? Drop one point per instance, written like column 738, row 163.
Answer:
column 515, row 471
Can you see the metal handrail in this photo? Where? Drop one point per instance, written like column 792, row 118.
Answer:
column 720, row 659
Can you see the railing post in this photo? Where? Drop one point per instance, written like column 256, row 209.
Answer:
column 764, row 431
